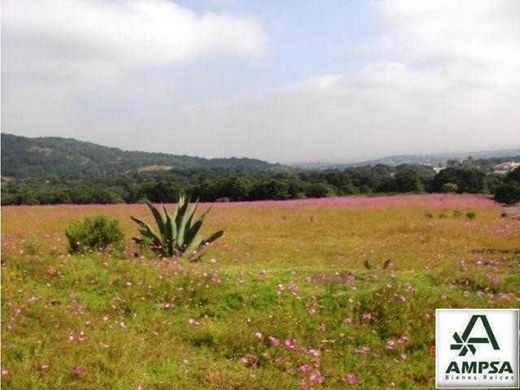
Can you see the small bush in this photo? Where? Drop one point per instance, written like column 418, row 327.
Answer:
column 471, row 214
column 94, row 234
column 319, row 190
column 508, row 193
column 450, row 187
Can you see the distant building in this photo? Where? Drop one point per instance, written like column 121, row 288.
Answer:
column 506, row 167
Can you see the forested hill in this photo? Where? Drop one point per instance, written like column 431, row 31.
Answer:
column 53, row 156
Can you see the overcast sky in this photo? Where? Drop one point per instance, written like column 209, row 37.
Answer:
column 283, row 81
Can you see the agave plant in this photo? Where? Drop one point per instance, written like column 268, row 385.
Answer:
column 177, row 233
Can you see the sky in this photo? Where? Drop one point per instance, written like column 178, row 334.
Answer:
column 284, row 81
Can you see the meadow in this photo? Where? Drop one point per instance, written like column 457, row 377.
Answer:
column 304, row 294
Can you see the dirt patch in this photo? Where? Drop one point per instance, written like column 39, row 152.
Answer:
column 512, row 211
column 510, row 251
column 336, row 277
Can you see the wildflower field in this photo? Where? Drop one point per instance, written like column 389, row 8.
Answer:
column 307, row 294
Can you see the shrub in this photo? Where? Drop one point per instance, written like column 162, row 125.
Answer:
column 450, row 187
column 467, row 179
column 508, row 193
column 319, row 190
column 177, row 233
column 93, row 234
column 471, row 214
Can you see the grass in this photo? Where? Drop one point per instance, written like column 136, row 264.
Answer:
column 284, row 300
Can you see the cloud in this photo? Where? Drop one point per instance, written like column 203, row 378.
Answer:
column 61, row 53
column 441, row 75
column 129, row 33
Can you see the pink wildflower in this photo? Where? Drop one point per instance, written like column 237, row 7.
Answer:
column 249, row 361
column 316, row 377
column 350, row 378
column 289, row 343
column 366, row 317
column 5, row 372
column 44, row 367
column 390, row 344
column 273, row 340
column 193, row 322
column 363, row 349
column 77, row 372
column 259, row 336
column 304, row 368
column 313, row 352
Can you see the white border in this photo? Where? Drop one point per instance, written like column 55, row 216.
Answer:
column 475, row 309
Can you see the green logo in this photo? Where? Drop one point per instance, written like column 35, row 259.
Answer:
column 465, row 342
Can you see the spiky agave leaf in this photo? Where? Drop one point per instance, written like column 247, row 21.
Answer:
column 212, row 238
column 196, row 248
column 178, row 230
column 194, row 229
column 159, row 219
column 170, row 233
column 147, row 232
column 192, row 214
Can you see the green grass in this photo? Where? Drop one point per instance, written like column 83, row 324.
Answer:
column 170, row 325
column 136, row 315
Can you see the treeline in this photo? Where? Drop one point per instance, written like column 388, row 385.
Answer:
column 244, row 185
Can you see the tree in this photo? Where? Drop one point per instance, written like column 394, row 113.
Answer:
column 319, row 190
column 408, row 180
column 270, row 189
column 508, row 193
column 340, row 180
column 467, row 179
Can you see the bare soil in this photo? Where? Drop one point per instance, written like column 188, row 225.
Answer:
column 512, row 210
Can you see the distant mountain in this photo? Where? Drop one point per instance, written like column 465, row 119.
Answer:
column 53, row 156
column 433, row 159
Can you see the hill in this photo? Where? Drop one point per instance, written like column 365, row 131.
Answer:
column 24, row 157
column 434, row 159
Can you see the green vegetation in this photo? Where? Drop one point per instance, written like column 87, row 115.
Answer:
column 178, row 232
column 94, row 234
column 509, row 191
column 449, row 187
column 221, row 329
column 55, row 170
column 243, row 185
column 319, row 296
column 24, row 157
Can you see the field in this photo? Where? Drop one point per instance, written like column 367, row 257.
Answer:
column 325, row 294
